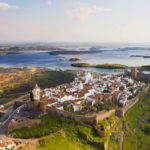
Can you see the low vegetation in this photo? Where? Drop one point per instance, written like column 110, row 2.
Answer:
column 3, row 53
column 134, row 128
column 63, row 134
column 110, row 66
column 25, row 79
column 137, row 134
column 106, row 66
column 8, row 53
column 75, row 59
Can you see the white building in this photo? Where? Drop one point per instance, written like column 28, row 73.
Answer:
column 88, row 77
column 66, row 98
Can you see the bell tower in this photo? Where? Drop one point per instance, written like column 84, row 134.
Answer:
column 133, row 72
column 36, row 93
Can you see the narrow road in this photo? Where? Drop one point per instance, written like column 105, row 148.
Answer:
column 4, row 125
column 9, row 107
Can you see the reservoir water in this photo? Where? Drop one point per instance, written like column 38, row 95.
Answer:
column 44, row 59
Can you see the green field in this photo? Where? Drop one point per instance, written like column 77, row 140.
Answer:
column 138, row 119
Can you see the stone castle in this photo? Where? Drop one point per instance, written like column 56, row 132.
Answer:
column 36, row 104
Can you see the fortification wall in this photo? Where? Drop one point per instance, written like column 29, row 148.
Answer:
column 102, row 115
column 93, row 119
column 132, row 102
column 18, row 125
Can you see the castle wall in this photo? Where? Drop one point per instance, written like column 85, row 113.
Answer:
column 132, row 102
column 102, row 115
column 93, row 119
column 18, row 125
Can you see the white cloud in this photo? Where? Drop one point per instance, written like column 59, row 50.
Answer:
column 49, row 2
column 4, row 6
column 83, row 12
column 78, row 4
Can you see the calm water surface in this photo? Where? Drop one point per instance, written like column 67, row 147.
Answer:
column 43, row 59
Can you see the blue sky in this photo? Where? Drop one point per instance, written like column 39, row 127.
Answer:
column 75, row 20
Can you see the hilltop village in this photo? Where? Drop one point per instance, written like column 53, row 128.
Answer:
column 88, row 93
column 90, row 97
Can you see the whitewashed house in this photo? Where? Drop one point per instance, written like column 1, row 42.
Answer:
column 66, row 98
column 91, row 100
column 76, row 107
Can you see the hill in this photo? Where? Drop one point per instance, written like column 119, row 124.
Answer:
column 134, row 128
column 62, row 134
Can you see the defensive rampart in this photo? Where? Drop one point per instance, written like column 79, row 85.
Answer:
column 18, row 125
column 132, row 102
column 92, row 119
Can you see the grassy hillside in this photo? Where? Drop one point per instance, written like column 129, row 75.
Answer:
column 62, row 134
column 134, row 128
column 25, row 79
column 137, row 134
column 129, row 133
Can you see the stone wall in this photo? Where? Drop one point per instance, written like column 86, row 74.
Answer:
column 18, row 125
column 102, row 115
column 133, row 101
column 1, row 114
column 92, row 119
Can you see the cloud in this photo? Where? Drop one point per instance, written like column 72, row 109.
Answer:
column 78, row 4
column 4, row 6
column 83, row 12
column 49, row 2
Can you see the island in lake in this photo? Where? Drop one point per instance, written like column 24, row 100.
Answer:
column 144, row 56
column 111, row 66
column 65, row 52
column 75, row 59
column 8, row 53
column 106, row 66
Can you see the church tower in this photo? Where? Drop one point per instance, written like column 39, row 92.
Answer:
column 133, row 72
column 36, row 93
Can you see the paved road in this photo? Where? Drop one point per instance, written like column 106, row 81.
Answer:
column 4, row 125
column 8, row 108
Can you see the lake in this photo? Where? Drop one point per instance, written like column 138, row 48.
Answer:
column 41, row 58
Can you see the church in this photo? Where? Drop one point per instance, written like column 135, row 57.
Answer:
column 36, row 104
